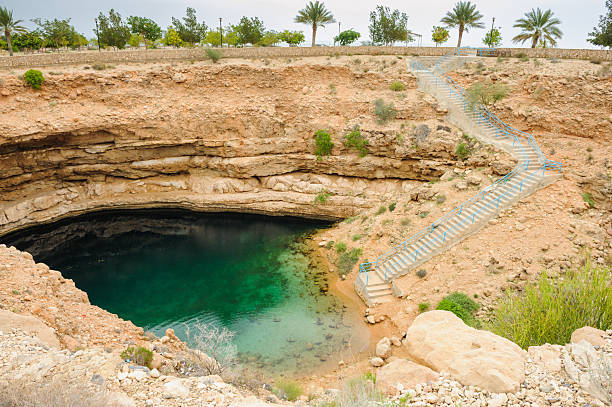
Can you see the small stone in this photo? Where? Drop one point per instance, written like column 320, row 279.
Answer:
column 370, row 319
column 97, row 379
column 154, row 373
column 377, row 362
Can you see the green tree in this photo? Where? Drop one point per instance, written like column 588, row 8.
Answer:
column 29, row 41
column 537, row 26
column 250, row 30
column 78, row 40
column 135, row 40
column 316, row 15
column 9, row 25
column 387, row 27
column 189, row 29
column 293, row 38
column 347, row 37
column 439, row 35
column 56, row 33
column 148, row 29
column 113, row 31
column 172, row 38
column 492, row 38
column 465, row 16
column 3, row 44
column 269, row 39
column 602, row 34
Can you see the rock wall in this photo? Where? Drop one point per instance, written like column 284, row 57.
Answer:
column 159, row 55
column 220, row 138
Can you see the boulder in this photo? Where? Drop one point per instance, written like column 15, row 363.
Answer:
column 441, row 341
column 120, row 399
column 592, row 335
column 29, row 324
column 383, row 348
column 403, row 372
column 176, row 389
column 547, row 356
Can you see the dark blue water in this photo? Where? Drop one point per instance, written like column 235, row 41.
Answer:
column 163, row 269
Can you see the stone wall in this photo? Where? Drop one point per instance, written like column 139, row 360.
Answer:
column 157, row 55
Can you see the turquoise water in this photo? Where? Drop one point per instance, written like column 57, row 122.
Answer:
column 163, row 269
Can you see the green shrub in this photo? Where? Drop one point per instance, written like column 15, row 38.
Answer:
column 322, row 197
column 140, row 355
column 329, row 244
column 396, row 86
column 384, row 111
column 463, row 151
column 549, row 310
column 381, row 210
column 34, row 78
column 356, row 140
column 323, row 143
column 421, row 273
column 423, row 214
column 100, row 66
column 288, row 390
column 347, row 260
column 522, row 56
column 213, row 54
column 392, row 206
column 588, row 198
column 487, row 93
column 340, row 247
column 356, row 237
column 423, row 306
column 359, row 392
column 460, row 305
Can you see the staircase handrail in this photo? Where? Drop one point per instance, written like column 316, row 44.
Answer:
column 494, row 121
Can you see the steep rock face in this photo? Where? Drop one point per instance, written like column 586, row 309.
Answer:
column 231, row 138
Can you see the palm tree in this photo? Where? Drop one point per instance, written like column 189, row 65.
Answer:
column 464, row 16
column 9, row 26
column 315, row 14
column 538, row 26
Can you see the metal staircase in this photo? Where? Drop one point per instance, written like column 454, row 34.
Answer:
column 375, row 281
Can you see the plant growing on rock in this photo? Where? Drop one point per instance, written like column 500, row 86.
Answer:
column 462, row 306
column 396, row 86
column 288, row 390
column 34, row 78
column 215, row 351
column 548, row 311
column 486, row 93
column 423, row 306
column 356, row 140
column 384, row 111
column 322, row 197
column 463, row 151
column 588, row 199
column 323, row 143
column 138, row 355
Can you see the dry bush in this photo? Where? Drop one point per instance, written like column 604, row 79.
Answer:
column 215, row 352
column 56, row 393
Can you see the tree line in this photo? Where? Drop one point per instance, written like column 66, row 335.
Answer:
column 538, row 28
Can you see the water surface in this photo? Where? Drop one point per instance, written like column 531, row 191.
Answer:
column 163, row 269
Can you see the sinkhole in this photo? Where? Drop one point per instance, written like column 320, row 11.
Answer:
column 174, row 269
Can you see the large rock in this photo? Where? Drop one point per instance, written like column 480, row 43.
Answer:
column 29, row 324
column 592, row 335
column 402, row 372
column 176, row 389
column 547, row 356
column 441, row 341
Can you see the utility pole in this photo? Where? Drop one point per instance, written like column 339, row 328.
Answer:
column 221, row 31
column 97, row 33
column 338, row 31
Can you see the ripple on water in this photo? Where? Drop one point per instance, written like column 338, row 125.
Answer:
column 163, row 269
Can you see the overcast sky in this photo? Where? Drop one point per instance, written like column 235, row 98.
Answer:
column 578, row 17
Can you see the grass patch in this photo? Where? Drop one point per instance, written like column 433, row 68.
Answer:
column 355, row 140
column 347, row 260
column 462, row 306
column 384, row 111
column 423, row 214
column 340, row 247
column 548, row 311
column 138, row 355
column 214, row 55
column 423, row 306
column 463, row 151
column 487, row 93
column 322, row 197
column 356, row 237
column 323, row 143
column 392, row 206
column 381, row 210
column 396, row 86
column 588, row 198
column 288, row 390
